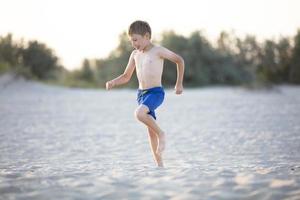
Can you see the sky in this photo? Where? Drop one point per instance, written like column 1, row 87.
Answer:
column 81, row 29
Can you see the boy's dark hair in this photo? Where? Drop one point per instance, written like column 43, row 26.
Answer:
column 139, row 27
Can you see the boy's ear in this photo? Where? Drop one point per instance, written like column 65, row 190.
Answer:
column 147, row 35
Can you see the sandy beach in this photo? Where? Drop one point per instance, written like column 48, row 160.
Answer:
column 222, row 143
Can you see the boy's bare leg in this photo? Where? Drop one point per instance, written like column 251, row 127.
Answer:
column 141, row 114
column 153, row 139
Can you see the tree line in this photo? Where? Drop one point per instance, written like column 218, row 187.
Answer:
column 230, row 60
column 33, row 60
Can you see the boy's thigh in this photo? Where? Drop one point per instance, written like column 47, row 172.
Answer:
column 154, row 100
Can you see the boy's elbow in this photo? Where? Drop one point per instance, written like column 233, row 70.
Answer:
column 180, row 61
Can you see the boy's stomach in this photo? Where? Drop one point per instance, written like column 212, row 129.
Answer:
column 149, row 84
column 149, row 81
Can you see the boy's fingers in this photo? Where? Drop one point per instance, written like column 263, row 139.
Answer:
column 178, row 91
column 108, row 87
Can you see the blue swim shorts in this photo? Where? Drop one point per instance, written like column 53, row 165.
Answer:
column 152, row 98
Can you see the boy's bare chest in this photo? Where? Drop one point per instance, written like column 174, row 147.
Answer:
column 147, row 61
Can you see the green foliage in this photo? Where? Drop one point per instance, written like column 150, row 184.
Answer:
column 86, row 73
column 31, row 60
column 204, row 64
column 10, row 51
column 295, row 61
column 4, row 67
column 40, row 59
column 232, row 61
column 284, row 49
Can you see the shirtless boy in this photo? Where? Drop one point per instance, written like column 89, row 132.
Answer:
column 147, row 59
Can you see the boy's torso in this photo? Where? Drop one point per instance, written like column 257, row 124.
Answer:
column 149, row 68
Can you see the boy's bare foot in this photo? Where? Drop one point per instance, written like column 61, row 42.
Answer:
column 160, row 164
column 159, row 161
column 161, row 143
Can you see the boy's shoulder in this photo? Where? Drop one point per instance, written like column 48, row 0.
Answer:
column 160, row 48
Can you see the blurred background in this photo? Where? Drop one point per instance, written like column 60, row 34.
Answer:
column 83, row 43
column 222, row 142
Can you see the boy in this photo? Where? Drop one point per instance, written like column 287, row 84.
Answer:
column 147, row 59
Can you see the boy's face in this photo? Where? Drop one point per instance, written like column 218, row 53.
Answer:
column 138, row 41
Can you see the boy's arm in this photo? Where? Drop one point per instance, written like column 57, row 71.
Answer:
column 125, row 77
column 165, row 53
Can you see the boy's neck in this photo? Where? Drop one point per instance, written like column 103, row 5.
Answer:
column 148, row 47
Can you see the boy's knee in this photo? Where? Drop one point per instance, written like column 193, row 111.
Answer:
column 140, row 114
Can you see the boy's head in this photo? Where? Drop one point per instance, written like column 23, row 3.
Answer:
column 140, row 34
column 141, row 28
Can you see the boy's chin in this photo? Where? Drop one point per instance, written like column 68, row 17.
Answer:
column 140, row 49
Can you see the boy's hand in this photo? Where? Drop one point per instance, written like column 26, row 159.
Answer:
column 178, row 89
column 109, row 85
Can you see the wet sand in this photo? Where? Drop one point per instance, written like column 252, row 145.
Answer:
column 222, row 143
